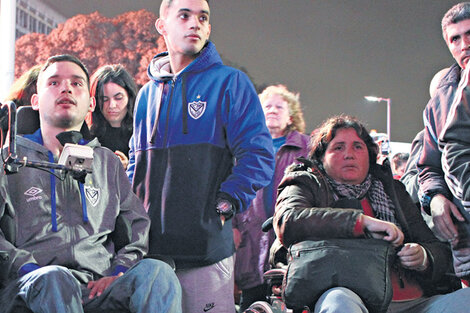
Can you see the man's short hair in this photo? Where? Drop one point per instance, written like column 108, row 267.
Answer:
column 67, row 58
column 166, row 4
column 400, row 159
column 457, row 13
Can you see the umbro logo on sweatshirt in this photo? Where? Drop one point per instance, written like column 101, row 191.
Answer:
column 32, row 193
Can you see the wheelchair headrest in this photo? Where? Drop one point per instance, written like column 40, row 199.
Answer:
column 27, row 120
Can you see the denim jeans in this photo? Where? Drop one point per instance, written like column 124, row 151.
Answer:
column 342, row 300
column 455, row 302
column 148, row 286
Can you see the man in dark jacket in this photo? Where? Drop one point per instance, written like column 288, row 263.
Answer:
column 75, row 245
column 199, row 152
column 445, row 140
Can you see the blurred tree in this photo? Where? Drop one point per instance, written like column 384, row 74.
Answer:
column 129, row 39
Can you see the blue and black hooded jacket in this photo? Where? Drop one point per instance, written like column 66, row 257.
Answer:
column 198, row 136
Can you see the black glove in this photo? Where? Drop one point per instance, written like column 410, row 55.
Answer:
column 267, row 225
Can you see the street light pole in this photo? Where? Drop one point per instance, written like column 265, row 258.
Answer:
column 389, row 105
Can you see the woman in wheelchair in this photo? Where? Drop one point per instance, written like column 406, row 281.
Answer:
column 341, row 192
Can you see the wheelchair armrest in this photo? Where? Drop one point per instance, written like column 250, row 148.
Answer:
column 275, row 273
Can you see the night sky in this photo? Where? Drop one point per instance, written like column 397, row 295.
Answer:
column 332, row 52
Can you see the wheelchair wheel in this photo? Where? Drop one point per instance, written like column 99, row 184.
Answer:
column 260, row 307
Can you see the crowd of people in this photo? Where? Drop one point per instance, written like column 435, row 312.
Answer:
column 187, row 169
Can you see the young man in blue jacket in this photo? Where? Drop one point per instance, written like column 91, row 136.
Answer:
column 75, row 245
column 199, row 152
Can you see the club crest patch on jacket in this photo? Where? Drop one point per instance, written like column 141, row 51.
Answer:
column 92, row 194
column 196, row 109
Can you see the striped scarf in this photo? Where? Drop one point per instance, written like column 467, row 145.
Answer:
column 381, row 203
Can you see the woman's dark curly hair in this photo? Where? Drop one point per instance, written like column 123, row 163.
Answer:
column 324, row 134
column 117, row 74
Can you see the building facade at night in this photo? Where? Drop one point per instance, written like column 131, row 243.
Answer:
column 34, row 16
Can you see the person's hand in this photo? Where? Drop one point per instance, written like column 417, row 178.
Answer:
column 98, row 286
column 222, row 219
column 123, row 158
column 379, row 229
column 441, row 210
column 413, row 257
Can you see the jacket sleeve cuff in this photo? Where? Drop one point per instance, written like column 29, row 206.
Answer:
column 425, row 199
column 27, row 268
column 358, row 230
column 232, row 200
column 119, row 269
column 426, row 263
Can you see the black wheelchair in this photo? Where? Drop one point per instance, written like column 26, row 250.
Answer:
column 273, row 279
column 274, row 303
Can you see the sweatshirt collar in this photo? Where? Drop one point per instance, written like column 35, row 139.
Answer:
column 159, row 67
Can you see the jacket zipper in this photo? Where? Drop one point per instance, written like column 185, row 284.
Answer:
column 67, row 186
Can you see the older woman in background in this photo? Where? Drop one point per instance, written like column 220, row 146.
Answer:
column 285, row 123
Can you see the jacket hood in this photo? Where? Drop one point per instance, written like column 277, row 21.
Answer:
column 452, row 77
column 159, row 68
column 36, row 137
column 159, row 71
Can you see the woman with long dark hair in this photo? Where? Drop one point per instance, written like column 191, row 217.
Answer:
column 114, row 90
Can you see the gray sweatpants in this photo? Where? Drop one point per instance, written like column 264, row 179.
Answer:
column 208, row 289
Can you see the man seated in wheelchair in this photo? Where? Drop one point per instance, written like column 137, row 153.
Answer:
column 75, row 245
column 340, row 192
